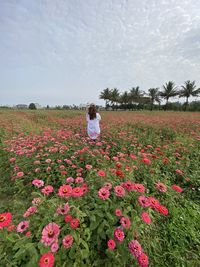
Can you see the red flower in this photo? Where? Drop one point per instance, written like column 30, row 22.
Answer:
column 5, row 219
column 177, row 188
column 47, row 260
column 74, row 223
column 162, row 209
column 146, row 161
column 68, row 218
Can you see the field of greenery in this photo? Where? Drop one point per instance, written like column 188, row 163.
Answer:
column 129, row 199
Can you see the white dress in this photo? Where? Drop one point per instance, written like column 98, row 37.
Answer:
column 93, row 128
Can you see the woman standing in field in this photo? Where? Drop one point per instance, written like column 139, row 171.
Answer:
column 93, row 118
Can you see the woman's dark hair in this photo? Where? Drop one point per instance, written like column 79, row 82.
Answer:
column 92, row 111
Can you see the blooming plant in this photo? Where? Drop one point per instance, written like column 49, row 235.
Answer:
column 116, row 202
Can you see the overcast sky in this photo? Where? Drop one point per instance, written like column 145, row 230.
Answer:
column 67, row 51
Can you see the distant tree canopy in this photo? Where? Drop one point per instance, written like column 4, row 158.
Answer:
column 32, row 106
column 137, row 99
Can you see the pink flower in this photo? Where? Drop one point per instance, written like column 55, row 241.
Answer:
column 146, row 218
column 22, row 226
column 144, row 201
column 179, row 172
column 12, row 159
column 36, row 201
column 69, row 180
column 20, row 174
column 48, row 160
column 143, row 260
column 77, row 192
column 111, row 244
column 47, row 260
column 38, row 183
column 50, row 234
column 30, row 211
column 54, row 247
column 119, row 191
column 65, row 191
column 140, row 188
column 79, row 180
column 135, row 248
column 125, row 222
column 118, row 212
column 67, row 241
column 161, row 187
column 119, row 235
column 47, row 190
column 63, row 210
column 101, row 173
column 103, row 193
column 88, row 167
column 107, row 186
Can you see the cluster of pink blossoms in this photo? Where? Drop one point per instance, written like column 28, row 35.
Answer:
column 136, row 250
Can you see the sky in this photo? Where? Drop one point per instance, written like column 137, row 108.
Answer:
column 67, row 51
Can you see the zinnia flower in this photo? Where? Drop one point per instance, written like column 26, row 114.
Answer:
column 177, row 188
column 119, row 191
column 103, row 193
column 77, row 192
column 74, row 223
column 65, row 191
column 47, row 190
column 101, row 173
column 144, row 201
column 143, row 260
column 67, row 241
column 119, row 235
column 161, row 187
column 125, row 222
column 54, row 247
column 118, row 212
column 38, row 183
column 146, row 218
column 135, row 248
column 22, row 226
column 50, row 234
column 111, row 244
column 5, row 219
column 46, row 260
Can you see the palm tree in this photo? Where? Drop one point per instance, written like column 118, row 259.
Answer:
column 135, row 94
column 188, row 90
column 114, row 96
column 154, row 96
column 125, row 98
column 106, row 95
column 169, row 90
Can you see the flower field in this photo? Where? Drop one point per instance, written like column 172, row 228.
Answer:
column 129, row 199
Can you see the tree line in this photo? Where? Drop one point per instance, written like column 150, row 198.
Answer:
column 138, row 99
